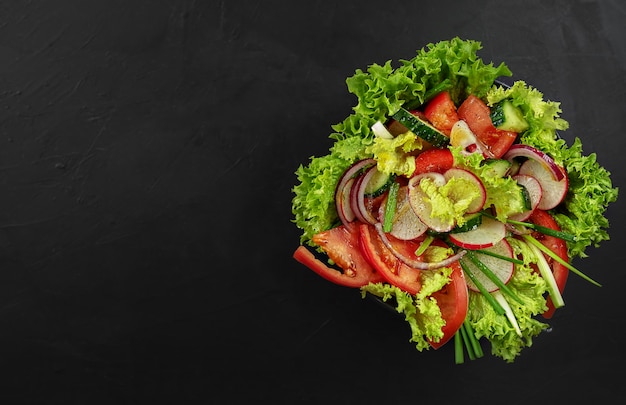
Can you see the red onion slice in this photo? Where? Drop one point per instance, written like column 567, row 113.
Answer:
column 527, row 151
column 361, row 210
column 342, row 190
column 416, row 264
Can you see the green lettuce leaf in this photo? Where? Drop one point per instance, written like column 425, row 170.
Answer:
column 381, row 90
column 590, row 187
column 503, row 193
column 530, row 288
column 313, row 202
column 420, row 311
column 392, row 155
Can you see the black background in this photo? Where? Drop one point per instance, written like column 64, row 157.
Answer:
column 147, row 155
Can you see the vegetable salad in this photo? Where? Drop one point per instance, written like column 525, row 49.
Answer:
column 453, row 198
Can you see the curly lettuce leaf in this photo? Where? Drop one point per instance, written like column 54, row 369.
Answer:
column 446, row 65
column 381, row 90
column 392, row 155
column 313, row 202
column 421, row 311
column 503, row 193
column 590, row 187
column 530, row 288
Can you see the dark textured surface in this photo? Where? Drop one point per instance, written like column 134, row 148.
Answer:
column 147, row 152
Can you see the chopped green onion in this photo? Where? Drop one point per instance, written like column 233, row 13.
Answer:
column 490, row 274
column 546, row 273
column 464, row 337
column 496, row 306
column 508, row 259
column 468, row 344
column 509, row 311
column 424, row 245
column 458, row 348
column 547, row 231
column 390, row 206
column 556, row 257
column 478, row 351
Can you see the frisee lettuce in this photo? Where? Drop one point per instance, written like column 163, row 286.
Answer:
column 528, row 285
column 503, row 193
column 590, row 187
column 420, row 311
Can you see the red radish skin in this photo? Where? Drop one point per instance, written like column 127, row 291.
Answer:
column 487, row 234
column 535, row 191
column 553, row 191
column 423, row 207
column 406, row 225
column 478, row 203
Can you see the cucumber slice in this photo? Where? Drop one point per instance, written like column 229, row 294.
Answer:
column 472, row 221
column 507, row 117
column 378, row 183
column 497, row 167
column 421, row 128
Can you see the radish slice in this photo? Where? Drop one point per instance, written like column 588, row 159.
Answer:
column 503, row 269
column 342, row 191
column 416, row 264
column 422, row 206
column 553, row 191
column 521, row 150
column 478, row 203
column 406, row 225
column 535, row 193
column 487, row 234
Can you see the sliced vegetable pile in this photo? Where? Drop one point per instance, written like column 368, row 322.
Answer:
column 451, row 196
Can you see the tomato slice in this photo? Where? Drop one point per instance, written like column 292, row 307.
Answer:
column 476, row 114
column 453, row 300
column 341, row 244
column 386, row 263
column 558, row 246
column 433, row 160
column 440, row 111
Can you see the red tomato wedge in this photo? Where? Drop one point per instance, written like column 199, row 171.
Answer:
column 558, row 246
column 386, row 263
column 433, row 160
column 440, row 111
column 453, row 300
column 342, row 247
column 476, row 114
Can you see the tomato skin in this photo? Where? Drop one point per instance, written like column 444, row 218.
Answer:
column 440, row 111
column 386, row 264
column 342, row 246
column 476, row 114
column 453, row 300
column 433, row 160
column 558, row 246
